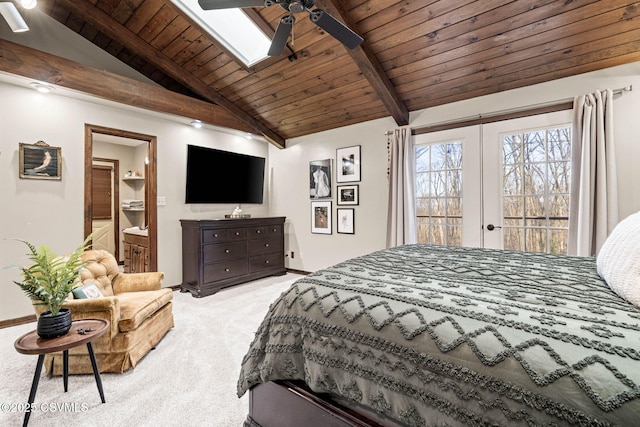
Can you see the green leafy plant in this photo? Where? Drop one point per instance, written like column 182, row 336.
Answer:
column 51, row 277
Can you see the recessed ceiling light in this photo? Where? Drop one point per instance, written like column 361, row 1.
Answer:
column 28, row 4
column 196, row 124
column 41, row 87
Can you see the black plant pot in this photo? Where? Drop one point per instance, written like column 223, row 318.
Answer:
column 50, row 326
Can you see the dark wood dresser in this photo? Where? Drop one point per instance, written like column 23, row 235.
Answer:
column 225, row 252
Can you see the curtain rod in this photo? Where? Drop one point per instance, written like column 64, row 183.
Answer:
column 516, row 112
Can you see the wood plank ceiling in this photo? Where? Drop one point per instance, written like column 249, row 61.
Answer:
column 416, row 54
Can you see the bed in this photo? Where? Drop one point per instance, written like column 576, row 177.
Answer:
column 422, row 335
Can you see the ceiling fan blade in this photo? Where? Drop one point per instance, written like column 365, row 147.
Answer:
column 336, row 28
column 282, row 35
column 229, row 4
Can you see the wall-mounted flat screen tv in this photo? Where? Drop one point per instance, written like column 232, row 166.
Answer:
column 216, row 176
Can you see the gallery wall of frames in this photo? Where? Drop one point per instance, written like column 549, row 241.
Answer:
column 347, row 174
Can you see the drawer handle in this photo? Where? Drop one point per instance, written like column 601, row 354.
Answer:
column 226, row 270
column 226, row 251
column 258, row 231
column 237, row 233
column 274, row 229
column 215, row 235
column 266, row 245
column 266, row 262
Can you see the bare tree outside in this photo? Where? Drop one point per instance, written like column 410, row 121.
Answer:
column 536, row 184
column 439, row 193
column 536, row 169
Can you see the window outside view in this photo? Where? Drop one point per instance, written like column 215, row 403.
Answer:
column 439, row 193
column 536, row 170
column 536, row 184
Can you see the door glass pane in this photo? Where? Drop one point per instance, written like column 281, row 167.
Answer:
column 511, row 149
column 439, row 193
column 536, row 183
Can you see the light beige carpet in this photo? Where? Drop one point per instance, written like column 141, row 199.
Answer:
column 188, row 380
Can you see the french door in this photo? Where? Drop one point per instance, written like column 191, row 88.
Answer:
column 501, row 185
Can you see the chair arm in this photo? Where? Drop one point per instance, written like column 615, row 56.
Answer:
column 135, row 282
column 107, row 308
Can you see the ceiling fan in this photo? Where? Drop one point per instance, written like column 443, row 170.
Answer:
column 318, row 16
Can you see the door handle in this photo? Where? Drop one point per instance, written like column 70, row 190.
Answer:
column 491, row 227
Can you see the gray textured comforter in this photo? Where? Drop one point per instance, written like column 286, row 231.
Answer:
column 433, row 335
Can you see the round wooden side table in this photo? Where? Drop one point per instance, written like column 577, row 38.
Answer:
column 82, row 332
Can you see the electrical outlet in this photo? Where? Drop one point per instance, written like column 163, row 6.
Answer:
column 292, row 255
column 162, row 201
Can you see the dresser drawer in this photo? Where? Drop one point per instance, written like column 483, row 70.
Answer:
column 223, row 235
column 264, row 231
column 224, row 251
column 214, row 236
column 263, row 246
column 224, row 270
column 261, row 262
column 237, row 234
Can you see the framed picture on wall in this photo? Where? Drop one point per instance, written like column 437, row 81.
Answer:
column 40, row 161
column 348, row 164
column 321, row 217
column 348, row 194
column 345, row 220
column 320, row 179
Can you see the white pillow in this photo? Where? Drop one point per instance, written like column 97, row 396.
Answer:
column 618, row 261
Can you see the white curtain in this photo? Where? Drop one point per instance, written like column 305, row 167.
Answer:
column 594, row 194
column 401, row 219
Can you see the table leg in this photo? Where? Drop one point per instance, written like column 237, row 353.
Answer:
column 34, row 387
column 96, row 372
column 65, row 369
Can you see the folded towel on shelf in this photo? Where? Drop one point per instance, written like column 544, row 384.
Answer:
column 132, row 203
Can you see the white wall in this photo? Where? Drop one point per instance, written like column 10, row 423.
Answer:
column 51, row 212
column 290, row 166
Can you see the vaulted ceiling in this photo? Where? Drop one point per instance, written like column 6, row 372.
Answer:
column 415, row 54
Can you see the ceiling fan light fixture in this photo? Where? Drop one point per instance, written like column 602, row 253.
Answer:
column 10, row 14
column 296, row 7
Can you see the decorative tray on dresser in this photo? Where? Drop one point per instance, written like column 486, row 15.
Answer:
column 224, row 252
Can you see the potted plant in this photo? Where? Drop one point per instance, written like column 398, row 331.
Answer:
column 48, row 282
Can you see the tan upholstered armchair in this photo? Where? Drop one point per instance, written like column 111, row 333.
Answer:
column 138, row 308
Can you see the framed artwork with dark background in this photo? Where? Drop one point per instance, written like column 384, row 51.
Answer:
column 40, row 161
column 348, row 194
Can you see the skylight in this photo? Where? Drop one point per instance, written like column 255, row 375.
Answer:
column 231, row 27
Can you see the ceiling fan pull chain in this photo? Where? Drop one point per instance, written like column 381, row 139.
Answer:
column 293, row 36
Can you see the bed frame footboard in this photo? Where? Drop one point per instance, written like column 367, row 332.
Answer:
column 292, row 404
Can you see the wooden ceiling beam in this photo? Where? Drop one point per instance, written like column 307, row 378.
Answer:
column 44, row 67
column 370, row 66
column 121, row 34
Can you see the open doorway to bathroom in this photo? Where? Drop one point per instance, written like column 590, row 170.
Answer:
column 123, row 217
